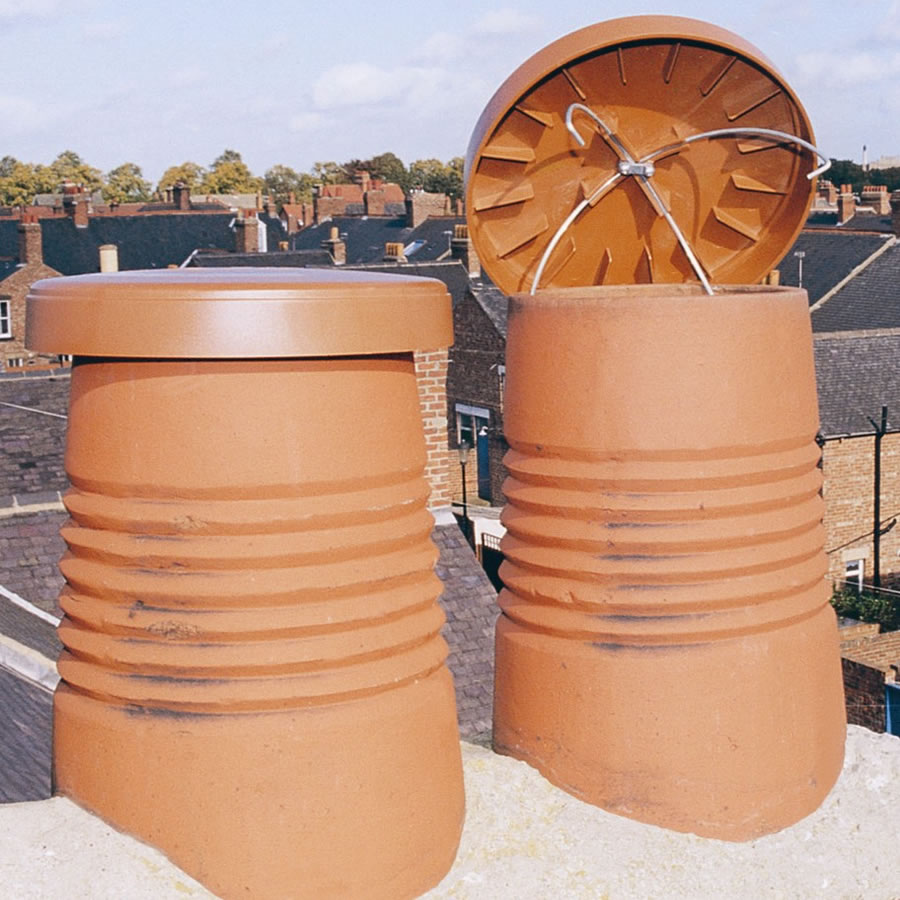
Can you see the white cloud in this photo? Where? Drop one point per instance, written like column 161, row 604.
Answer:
column 442, row 47
column 505, row 21
column 306, row 121
column 362, row 84
column 844, row 70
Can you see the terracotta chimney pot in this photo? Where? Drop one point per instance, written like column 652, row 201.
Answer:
column 253, row 678
column 666, row 648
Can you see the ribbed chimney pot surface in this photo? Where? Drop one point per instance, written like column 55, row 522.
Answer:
column 666, row 648
column 253, row 677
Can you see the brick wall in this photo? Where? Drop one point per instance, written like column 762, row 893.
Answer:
column 431, row 378
column 868, row 663
column 864, row 694
column 848, row 468
column 16, row 288
column 474, row 379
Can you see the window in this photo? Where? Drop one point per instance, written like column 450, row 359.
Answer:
column 5, row 319
column 854, row 570
column 472, row 428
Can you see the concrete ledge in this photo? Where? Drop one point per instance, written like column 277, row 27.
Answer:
column 526, row 840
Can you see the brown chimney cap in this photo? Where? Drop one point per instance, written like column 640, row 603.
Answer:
column 653, row 80
column 239, row 314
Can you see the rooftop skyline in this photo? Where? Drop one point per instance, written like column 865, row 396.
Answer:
column 159, row 84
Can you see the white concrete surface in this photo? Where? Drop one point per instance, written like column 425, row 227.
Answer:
column 527, row 840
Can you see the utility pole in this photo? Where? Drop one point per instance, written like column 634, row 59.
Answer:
column 877, row 530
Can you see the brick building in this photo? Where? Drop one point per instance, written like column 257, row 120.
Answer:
column 475, row 384
column 871, row 665
column 29, row 267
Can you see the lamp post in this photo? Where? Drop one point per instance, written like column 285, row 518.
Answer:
column 463, row 451
column 800, row 255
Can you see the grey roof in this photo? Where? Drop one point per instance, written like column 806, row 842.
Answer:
column 144, row 241
column 31, row 443
column 469, row 601
column 365, row 236
column 830, row 256
column 494, row 303
column 857, row 373
column 869, row 222
column 871, row 300
column 30, row 551
column 291, row 258
column 451, row 271
column 25, row 739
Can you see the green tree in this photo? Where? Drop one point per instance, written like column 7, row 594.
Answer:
column 438, row 177
column 188, row 173
column 20, row 182
column 126, row 184
column 282, row 181
column 328, row 173
column 69, row 166
column 229, row 174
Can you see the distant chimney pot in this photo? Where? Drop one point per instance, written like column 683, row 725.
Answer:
column 109, row 258
column 393, row 252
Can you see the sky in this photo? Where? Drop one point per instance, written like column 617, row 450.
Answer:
column 159, row 82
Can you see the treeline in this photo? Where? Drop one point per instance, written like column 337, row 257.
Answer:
column 844, row 171
column 21, row 182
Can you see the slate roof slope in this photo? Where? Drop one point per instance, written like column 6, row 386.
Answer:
column 32, row 444
column 871, row 300
column 494, row 303
column 451, row 271
column 289, row 258
column 365, row 236
column 30, row 551
column 26, row 716
column 857, row 373
column 144, row 242
column 830, row 257
column 470, row 603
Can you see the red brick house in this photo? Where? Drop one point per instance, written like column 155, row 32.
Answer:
column 14, row 288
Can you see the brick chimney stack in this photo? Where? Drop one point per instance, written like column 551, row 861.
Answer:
column 181, row 196
column 75, row 203
column 336, row 247
column 463, row 249
column 31, row 251
column 846, row 204
column 373, row 200
column 246, row 234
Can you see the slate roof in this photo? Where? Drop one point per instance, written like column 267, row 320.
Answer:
column 869, row 222
column 470, row 603
column 291, row 258
column 830, row 257
column 25, row 739
column 494, row 303
column 857, row 373
column 30, row 551
column 451, row 271
column 871, row 300
column 365, row 236
column 32, row 444
column 144, row 242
